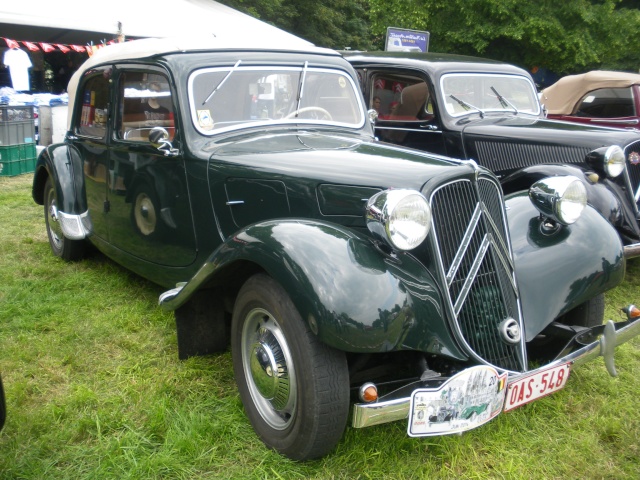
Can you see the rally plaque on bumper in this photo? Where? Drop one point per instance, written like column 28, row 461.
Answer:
column 465, row 401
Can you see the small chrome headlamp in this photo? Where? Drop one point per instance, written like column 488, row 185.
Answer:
column 560, row 198
column 609, row 160
column 401, row 218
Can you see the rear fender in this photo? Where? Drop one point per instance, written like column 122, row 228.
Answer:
column 63, row 164
column 558, row 271
column 353, row 296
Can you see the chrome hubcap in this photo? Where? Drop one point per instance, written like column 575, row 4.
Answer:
column 55, row 230
column 268, row 369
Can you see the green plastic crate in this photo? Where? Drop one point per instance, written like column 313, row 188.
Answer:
column 17, row 159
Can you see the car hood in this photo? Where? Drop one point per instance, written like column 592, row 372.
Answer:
column 338, row 159
column 505, row 144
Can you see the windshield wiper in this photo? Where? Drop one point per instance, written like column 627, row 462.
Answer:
column 504, row 102
column 217, row 87
column 467, row 106
column 300, row 87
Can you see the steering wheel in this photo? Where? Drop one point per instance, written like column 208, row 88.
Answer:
column 320, row 110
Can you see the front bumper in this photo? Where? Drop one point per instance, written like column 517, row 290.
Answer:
column 395, row 405
column 632, row 251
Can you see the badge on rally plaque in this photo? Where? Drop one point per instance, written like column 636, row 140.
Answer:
column 465, row 401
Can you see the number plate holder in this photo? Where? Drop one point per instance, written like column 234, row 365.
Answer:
column 535, row 386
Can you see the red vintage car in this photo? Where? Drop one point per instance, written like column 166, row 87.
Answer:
column 610, row 99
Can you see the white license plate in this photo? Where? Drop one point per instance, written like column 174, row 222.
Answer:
column 537, row 385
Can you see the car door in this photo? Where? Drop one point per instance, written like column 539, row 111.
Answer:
column 150, row 214
column 90, row 138
column 406, row 106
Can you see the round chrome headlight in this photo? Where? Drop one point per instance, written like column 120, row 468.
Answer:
column 400, row 217
column 560, row 198
column 608, row 159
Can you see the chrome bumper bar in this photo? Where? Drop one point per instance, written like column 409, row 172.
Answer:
column 395, row 405
column 631, row 251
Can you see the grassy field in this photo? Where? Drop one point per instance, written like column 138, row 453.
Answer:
column 95, row 390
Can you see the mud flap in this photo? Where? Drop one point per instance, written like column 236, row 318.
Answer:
column 202, row 326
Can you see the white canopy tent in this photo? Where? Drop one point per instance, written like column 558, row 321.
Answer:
column 81, row 21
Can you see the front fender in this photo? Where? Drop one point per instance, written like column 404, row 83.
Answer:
column 559, row 271
column 606, row 196
column 353, row 296
column 63, row 164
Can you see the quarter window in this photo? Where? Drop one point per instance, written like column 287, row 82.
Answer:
column 93, row 111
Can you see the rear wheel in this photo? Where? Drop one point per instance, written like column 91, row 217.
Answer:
column 588, row 314
column 62, row 247
column 294, row 388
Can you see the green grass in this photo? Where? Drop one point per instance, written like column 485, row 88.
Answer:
column 95, row 390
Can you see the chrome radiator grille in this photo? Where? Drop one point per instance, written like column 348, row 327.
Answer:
column 634, row 170
column 476, row 263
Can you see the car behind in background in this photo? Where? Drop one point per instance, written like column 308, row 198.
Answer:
column 599, row 97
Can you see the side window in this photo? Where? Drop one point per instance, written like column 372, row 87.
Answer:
column 400, row 98
column 93, row 114
column 607, row 103
column 144, row 102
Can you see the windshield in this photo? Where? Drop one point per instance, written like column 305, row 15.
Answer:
column 476, row 93
column 222, row 99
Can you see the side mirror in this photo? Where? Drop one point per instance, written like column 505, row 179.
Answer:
column 159, row 138
column 373, row 116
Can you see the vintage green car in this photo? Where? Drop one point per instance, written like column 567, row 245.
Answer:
column 342, row 272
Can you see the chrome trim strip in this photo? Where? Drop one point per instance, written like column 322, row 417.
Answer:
column 368, row 414
column 621, row 122
column 401, row 129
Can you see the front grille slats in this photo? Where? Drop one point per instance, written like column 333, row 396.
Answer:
column 634, row 170
column 475, row 259
column 502, row 156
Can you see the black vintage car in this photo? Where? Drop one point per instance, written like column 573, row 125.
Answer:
column 489, row 111
column 246, row 179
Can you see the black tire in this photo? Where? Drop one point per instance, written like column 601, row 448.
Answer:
column 302, row 412
column 69, row 250
column 589, row 314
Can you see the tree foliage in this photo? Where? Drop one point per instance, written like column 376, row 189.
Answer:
column 565, row 37
column 330, row 23
column 561, row 36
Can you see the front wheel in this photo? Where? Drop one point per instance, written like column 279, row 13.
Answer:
column 294, row 388
column 62, row 247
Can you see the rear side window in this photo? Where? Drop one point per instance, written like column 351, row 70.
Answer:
column 92, row 118
column 607, row 103
column 400, row 98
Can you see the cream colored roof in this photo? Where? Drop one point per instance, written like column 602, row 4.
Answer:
column 156, row 46
column 561, row 97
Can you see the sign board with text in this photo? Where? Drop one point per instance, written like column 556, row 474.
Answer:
column 402, row 40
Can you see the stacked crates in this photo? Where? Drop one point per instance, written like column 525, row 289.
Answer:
column 17, row 140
